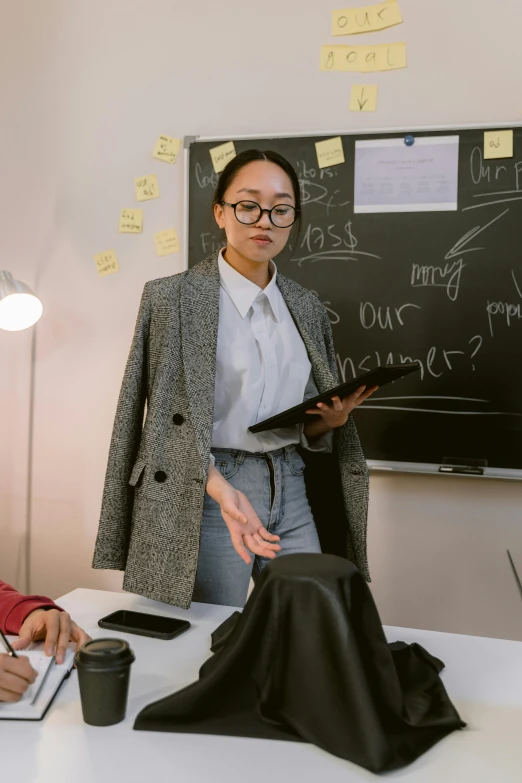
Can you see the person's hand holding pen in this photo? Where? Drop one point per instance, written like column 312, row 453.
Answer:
column 16, row 674
column 335, row 415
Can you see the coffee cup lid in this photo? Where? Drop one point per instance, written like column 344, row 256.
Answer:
column 103, row 652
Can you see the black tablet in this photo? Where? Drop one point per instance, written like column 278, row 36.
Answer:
column 376, row 377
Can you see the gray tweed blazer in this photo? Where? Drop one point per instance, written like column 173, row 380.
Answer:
column 155, row 482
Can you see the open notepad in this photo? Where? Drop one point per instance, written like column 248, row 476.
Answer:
column 35, row 701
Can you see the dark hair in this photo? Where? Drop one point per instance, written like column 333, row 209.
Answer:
column 248, row 156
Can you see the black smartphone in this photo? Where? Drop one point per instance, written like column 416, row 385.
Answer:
column 154, row 625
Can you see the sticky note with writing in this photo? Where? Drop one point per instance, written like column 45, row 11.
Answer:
column 367, row 19
column 329, row 152
column 166, row 242
column 167, row 149
column 131, row 221
column 221, row 155
column 498, row 144
column 364, row 97
column 147, row 187
column 106, row 263
column 363, row 59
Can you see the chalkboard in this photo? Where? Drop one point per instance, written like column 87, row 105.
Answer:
column 440, row 288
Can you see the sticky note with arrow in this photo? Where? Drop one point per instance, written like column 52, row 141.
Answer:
column 364, row 97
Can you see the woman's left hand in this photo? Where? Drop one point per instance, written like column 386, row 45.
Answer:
column 336, row 415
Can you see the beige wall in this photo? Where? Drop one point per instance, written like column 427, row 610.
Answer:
column 85, row 90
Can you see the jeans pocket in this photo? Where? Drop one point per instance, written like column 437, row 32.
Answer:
column 227, row 464
column 295, row 462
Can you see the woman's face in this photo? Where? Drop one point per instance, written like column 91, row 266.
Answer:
column 267, row 184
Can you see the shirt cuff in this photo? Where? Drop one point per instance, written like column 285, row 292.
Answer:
column 322, row 443
column 211, row 459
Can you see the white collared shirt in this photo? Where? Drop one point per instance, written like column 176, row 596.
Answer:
column 262, row 366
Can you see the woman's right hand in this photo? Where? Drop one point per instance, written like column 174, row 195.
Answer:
column 246, row 530
column 16, row 675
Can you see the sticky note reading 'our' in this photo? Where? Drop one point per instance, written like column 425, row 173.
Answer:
column 498, row 144
column 106, row 263
column 329, row 152
column 221, row 155
column 350, row 21
column 166, row 242
column 167, row 149
column 147, row 187
column 364, row 97
column 131, row 221
column 363, row 59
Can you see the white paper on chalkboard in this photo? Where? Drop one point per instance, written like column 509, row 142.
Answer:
column 393, row 177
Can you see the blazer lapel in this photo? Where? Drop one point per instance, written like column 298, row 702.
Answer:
column 199, row 330
column 306, row 320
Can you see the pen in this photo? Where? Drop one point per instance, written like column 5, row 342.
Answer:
column 9, row 650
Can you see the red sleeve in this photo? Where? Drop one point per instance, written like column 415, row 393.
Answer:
column 15, row 607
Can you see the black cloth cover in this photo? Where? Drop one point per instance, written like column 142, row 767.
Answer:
column 308, row 661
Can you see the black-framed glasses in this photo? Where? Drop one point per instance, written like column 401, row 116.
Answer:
column 249, row 212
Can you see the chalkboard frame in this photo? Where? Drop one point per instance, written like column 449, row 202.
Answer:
column 375, row 466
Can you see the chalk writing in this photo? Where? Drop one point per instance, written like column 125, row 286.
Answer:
column 434, row 363
column 383, row 317
column 447, row 277
column 343, row 244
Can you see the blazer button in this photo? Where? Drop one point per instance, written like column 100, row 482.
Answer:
column 160, row 476
column 178, row 418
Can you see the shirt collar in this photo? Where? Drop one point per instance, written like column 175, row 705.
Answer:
column 243, row 291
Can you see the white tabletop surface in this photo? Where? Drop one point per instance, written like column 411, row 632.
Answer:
column 483, row 677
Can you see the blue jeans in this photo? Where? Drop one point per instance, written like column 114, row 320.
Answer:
column 274, row 484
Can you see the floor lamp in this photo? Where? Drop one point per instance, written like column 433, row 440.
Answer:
column 21, row 309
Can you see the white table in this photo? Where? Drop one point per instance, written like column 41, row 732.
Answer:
column 483, row 677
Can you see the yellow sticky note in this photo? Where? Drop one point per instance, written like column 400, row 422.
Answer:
column 498, row 144
column 364, row 97
column 106, row 263
column 367, row 19
column 131, row 221
column 363, row 59
column 329, row 152
column 221, row 155
column 147, row 187
column 166, row 242
column 167, row 149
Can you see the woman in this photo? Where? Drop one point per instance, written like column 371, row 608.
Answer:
column 217, row 348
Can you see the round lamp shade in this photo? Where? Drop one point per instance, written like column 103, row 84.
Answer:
column 19, row 307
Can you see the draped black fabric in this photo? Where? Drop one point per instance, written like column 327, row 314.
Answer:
column 308, row 661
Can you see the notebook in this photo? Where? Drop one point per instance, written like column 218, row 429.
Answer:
column 36, row 700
